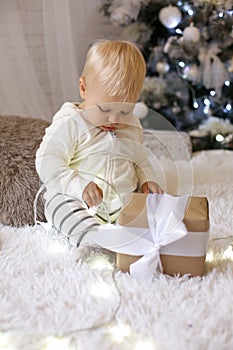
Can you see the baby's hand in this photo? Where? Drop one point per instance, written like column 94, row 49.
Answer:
column 151, row 186
column 92, row 195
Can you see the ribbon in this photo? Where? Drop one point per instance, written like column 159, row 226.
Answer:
column 165, row 215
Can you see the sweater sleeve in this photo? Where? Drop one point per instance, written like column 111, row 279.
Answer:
column 54, row 156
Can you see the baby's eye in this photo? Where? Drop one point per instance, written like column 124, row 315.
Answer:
column 104, row 110
column 125, row 112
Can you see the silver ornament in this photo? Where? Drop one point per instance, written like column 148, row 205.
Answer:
column 170, row 16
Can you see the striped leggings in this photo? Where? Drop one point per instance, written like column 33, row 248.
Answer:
column 69, row 217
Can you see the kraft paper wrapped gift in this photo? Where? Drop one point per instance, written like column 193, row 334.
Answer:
column 184, row 256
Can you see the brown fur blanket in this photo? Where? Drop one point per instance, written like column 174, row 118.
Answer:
column 19, row 139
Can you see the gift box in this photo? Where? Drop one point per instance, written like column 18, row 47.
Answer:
column 184, row 256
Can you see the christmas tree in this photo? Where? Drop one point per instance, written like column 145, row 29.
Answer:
column 188, row 47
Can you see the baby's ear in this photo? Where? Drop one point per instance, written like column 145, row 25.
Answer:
column 82, row 87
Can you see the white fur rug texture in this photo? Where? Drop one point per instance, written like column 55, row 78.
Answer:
column 51, row 301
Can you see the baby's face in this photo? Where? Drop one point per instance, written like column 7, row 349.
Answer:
column 110, row 116
column 106, row 112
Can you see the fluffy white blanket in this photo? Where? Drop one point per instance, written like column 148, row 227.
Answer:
column 48, row 300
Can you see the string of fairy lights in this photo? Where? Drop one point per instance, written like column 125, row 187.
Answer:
column 98, row 259
column 115, row 331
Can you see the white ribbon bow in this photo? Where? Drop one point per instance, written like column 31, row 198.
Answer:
column 165, row 215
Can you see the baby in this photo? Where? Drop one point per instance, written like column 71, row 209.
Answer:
column 92, row 154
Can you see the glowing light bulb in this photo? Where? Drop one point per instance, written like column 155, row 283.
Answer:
column 186, row 7
column 209, row 256
column 52, row 343
column 195, row 104
column 178, row 31
column 119, row 332
column 100, row 262
column 221, row 14
column 181, row 64
column 190, row 12
column 101, row 289
column 145, row 345
column 212, row 93
column 228, row 253
column 219, row 138
column 228, row 107
column 227, row 83
column 206, row 101
column 5, row 342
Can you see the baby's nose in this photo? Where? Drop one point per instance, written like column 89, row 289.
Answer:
column 113, row 118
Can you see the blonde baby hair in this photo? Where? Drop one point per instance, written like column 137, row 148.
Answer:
column 119, row 66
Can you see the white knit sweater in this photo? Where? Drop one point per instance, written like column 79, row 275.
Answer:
column 73, row 152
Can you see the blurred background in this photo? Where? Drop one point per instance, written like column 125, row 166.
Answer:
column 188, row 47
